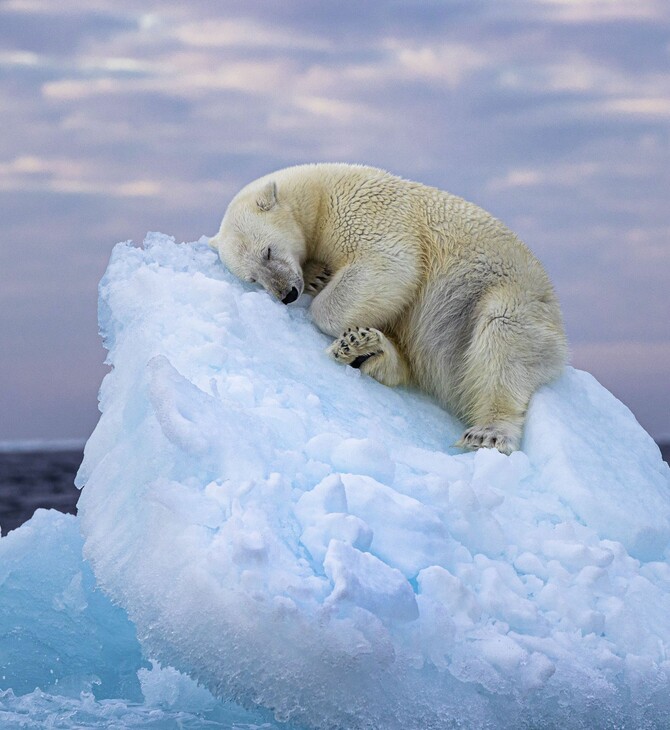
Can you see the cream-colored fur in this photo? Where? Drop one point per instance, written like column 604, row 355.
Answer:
column 417, row 285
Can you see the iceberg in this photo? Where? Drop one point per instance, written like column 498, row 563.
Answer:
column 58, row 632
column 300, row 540
column 70, row 658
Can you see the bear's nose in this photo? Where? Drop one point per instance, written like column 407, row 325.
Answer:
column 291, row 296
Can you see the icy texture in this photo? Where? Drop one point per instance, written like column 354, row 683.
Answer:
column 295, row 535
column 56, row 631
column 70, row 659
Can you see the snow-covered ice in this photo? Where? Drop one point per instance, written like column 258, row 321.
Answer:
column 295, row 536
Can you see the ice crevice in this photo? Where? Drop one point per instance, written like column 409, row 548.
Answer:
column 294, row 535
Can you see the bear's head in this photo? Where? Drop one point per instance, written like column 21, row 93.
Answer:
column 260, row 241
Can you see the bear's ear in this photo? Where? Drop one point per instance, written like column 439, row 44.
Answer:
column 267, row 198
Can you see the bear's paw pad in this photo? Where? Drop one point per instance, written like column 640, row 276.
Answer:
column 357, row 345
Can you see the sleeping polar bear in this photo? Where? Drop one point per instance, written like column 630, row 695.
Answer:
column 417, row 285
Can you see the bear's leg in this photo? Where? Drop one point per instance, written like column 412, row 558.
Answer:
column 372, row 294
column 371, row 351
column 496, row 402
column 516, row 346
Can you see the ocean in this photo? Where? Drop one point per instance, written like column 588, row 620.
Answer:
column 32, row 477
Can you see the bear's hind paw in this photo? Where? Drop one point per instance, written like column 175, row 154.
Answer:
column 487, row 437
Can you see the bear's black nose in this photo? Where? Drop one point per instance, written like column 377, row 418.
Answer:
column 291, row 296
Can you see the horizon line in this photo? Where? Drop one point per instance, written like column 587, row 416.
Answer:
column 36, row 444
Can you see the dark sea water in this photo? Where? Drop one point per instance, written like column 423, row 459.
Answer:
column 33, row 479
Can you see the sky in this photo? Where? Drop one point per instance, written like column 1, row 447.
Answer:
column 118, row 118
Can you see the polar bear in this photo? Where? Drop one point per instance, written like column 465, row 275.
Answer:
column 418, row 286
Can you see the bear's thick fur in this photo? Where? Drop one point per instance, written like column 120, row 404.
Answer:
column 417, row 285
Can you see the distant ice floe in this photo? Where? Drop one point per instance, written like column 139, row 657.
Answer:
column 297, row 537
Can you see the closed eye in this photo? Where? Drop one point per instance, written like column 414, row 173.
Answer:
column 269, row 253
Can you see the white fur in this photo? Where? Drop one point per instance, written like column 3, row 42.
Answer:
column 437, row 291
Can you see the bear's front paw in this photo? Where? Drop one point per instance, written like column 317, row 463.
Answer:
column 487, row 437
column 357, row 345
column 315, row 275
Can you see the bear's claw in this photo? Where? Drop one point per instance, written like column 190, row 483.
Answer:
column 316, row 276
column 486, row 437
column 356, row 345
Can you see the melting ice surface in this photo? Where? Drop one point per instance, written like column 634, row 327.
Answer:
column 304, row 542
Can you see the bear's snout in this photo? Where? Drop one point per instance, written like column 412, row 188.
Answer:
column 291, row 296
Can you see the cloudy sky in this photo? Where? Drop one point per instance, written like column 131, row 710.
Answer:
column 120, row 117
